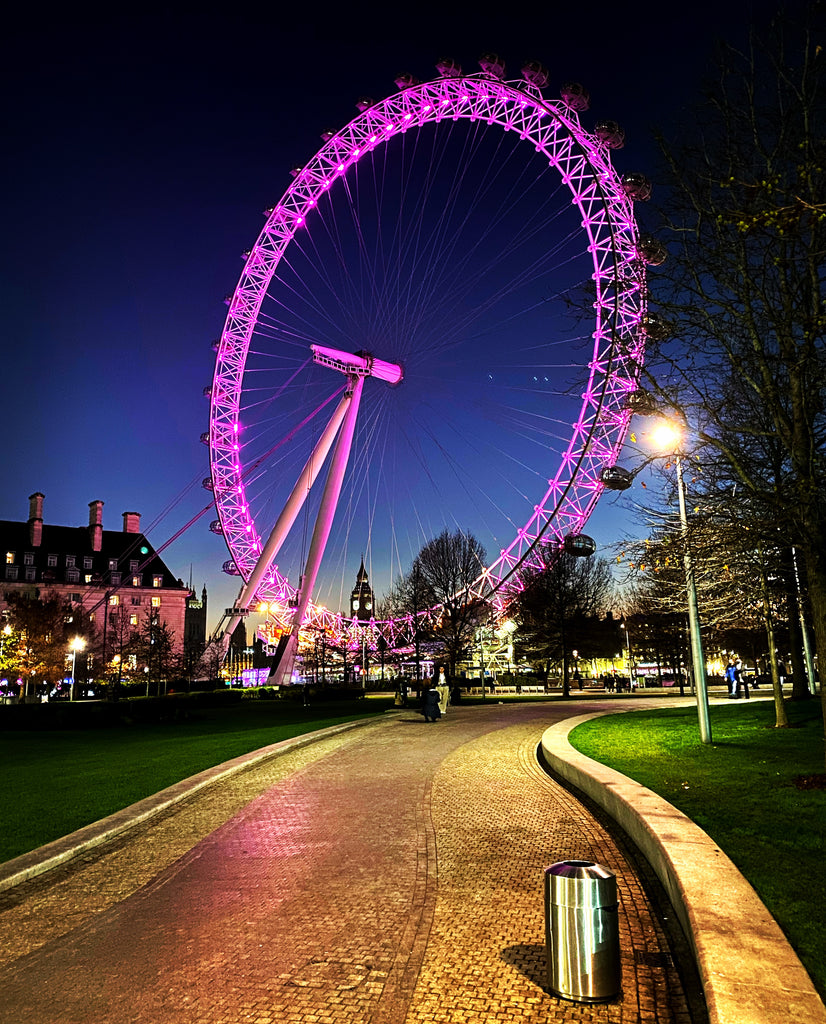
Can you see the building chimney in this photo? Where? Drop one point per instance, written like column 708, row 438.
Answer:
column 35, row 519
column 96, row 524
column 131, row 522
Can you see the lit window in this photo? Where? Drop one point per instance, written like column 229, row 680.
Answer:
column 87, row 563
column 9, row 558
column 133, row 619
column 70, row 561
column 28, row 558
column 114, row 599
column 91, row 616
column 51, row 561
column 137, row 581
column 157, row 581
column 113, row 564
column 156, row 602
column 87, row 578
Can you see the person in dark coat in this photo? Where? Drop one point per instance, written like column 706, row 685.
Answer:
column 430, row 704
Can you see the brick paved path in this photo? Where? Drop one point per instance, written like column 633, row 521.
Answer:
column 391, row 874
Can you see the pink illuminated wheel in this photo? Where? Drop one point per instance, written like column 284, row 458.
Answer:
column 472, row 232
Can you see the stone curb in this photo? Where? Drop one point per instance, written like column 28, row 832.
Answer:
column 52, row 855
column 749, row 972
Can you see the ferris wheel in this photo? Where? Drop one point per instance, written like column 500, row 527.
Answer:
column 450, row 298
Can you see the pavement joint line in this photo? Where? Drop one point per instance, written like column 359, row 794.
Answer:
column 749, row 972
column 60, row 851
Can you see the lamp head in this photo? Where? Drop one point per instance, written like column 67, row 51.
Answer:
column 666, row 435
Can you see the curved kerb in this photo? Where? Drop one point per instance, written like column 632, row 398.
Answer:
column 749, row 972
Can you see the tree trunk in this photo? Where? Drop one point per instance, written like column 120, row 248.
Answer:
column 815, row 559
column 781, row 719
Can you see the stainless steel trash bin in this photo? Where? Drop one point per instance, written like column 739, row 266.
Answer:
column 582, row 931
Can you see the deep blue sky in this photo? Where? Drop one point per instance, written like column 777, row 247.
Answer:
column 141, row 149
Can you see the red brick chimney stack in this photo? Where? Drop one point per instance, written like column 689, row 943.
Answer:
column 96, row 524
column 35, row 519
column 131, row 522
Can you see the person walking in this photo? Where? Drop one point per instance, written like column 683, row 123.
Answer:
column 443, row 690
column 732, row 680
column 741, row 679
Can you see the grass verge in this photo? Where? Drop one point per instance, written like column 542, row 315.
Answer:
column 58, row 781
column 741, row 790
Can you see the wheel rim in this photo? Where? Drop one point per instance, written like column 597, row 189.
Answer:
column 608, row 224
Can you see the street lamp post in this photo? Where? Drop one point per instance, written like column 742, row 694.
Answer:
column 77, row 644
column 668, row 436
column 697, row 656
column 624, row 625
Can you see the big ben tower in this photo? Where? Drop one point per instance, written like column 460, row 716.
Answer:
column 361, row 599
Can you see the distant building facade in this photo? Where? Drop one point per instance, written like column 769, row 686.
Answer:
column 195, row 621
column 105, row 574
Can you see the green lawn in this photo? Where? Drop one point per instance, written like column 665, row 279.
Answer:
column 741, row 790
column 57, row 781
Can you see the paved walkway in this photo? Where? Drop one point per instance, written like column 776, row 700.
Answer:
column 387, row 875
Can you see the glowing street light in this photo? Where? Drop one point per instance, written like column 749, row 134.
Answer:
column 77, row 644
column 667, row 436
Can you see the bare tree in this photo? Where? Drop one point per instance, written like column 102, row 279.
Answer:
column 44, row 627
column 745, row 285
column 441, row 578
column 556, row 607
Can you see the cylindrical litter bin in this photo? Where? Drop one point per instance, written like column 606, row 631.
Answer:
column 582, row 931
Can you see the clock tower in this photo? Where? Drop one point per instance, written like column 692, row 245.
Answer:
column 361, row 598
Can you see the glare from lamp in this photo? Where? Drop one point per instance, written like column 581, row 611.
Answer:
column 666, row 436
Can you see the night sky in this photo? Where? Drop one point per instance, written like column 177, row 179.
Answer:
column 140, row 151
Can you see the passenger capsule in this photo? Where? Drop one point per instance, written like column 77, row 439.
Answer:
column 208, row 391
column 492, row 64
column 405, row 80
column 575, row 96
column 230, row 568
column 207, row 484
column 651, row 250
column 615, row 478
column 205, row 437
column 641, row 403
column 637, row 187
column 610, row 133
column 655, row 327
column 364, row 103
column 535, row 73
column 449, row 68
column 579, row 544
column 215, row 527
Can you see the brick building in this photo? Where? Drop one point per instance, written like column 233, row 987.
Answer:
column 99, row 571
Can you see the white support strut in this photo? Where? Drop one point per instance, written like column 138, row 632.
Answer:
column 281, row 673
